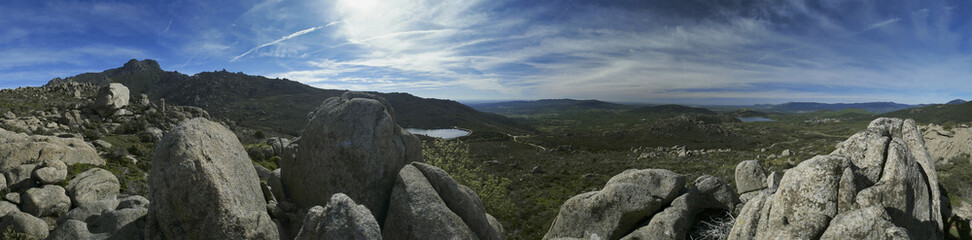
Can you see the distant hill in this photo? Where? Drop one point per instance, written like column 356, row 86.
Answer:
column 279, row 104
column 745, row 112
column 803, row 107
column 672, row 109
column 938, row 114
column 956, row 101
column 547, row 105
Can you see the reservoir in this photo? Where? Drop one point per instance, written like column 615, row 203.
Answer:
column 755, row 119
column 445, row 133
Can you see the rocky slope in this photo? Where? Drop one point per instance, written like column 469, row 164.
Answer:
column 276, row 104
column 880, row 183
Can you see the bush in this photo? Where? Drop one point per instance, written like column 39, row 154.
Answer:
column 453, row 157
column 11, row 234
column 259, row 135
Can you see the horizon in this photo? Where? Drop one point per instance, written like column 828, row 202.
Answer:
column 681, row 53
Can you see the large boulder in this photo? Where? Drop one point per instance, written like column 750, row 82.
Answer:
column 750, row 176
column 112, row 97
column 461, row 200
column 25, row 223
column 417, row 212
column 880, row 179
column 94, row 186
column 672, row 223
column 49, row 200
column 19, row 148
column 201, row 169
column 626, row 200
column 51, row 172
column 350, row 145
column 340, row 219
column 72, row 230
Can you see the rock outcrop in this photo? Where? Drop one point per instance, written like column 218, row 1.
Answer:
column 340, row 219
column 416, row 211
column 350, row 145
column 880, row 183
column 20, row 148
column 943, row 145
column 201, row 169
column 110, row 98
column 614, row 211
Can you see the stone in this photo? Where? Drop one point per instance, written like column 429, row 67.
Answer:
column 716, row 193
column 350, row 145
column 871, row 223
column 19, row 177
column 71, row 230
column 786, row 153
column 153, row 134
column 497, row 226
column 13, row 197
column 143, row 100
column 416, row 211
column 25, row 223
column 93, row 186
column 461, row 200
column 277, row 144
column 672, row 223
column 51, row 172
column 47, row 201
column 7, row 208
column 773, row 180
column 614, row 211
column 276, row 186
column 135, row 201
column 342, row 218
column 112, row 97
column 128, row 223
column 201, row 169
column 19, row 148
column 9, row 115
column 101, row 144
column 750, row 176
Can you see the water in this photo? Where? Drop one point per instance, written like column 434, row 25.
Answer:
column 445, row 133
column 755, row 119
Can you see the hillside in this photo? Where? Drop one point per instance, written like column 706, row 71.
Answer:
column 938, row 114
column 547, row 105
column 279, row 105
column 672, row 109
column 802, row 107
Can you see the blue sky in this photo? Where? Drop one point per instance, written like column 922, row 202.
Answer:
column 672, row 51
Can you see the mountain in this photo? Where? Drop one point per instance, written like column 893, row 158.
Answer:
column 545, row 105
column 956, row 101
column 279, row 104
column 801, row 107
column 672, row 109
column 939, row 113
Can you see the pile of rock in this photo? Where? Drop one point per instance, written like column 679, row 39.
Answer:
column 350, row 152
column 878, row 184
column 86, row 208
column 641, row 204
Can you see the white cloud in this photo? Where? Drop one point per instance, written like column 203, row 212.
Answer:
column 284, row 38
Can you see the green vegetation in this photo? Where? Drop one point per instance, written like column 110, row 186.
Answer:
column 453, row 157
column 11, row 234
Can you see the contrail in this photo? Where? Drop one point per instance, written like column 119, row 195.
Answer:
column 285, row 38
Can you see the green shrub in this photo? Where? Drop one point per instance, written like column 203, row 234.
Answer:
column 453, row 157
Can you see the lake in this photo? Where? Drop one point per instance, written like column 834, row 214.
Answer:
column 445, row 133
column 755, row 119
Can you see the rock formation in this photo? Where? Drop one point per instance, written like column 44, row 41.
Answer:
column 340, row 219
column 350, row 145
column 110, row 98
column 201, row 169
column 20, row 148
column 878, row 184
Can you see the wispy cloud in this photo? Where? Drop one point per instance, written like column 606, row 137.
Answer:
column 284, row 38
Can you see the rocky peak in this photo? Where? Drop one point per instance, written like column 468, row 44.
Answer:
column 134, row 65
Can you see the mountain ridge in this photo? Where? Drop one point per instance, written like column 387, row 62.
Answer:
column 278, row 104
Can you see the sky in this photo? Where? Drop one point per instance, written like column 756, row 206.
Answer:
column 659, row 51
